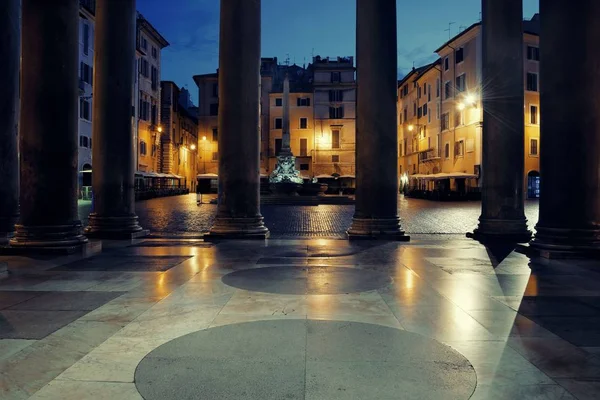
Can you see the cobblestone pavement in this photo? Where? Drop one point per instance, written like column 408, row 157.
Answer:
column 181, row 214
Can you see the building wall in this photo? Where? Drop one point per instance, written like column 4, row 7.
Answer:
column 461, row 138
column 208, row 145
column 86, row 62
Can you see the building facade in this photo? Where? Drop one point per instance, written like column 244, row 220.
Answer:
column 179, row 136
column 322, row 117
column 149, row 44
column 440, row 116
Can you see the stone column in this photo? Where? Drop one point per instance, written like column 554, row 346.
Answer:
column 569, row 220
column 10, row 36
column 49, row 126
column 113, row 168
column 502, row 208
column 376, row 214
column 238, row 214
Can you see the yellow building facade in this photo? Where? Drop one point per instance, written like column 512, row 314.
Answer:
column 440, row 117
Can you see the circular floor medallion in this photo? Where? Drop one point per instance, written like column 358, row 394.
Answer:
column 298, row 359
column 307, row 280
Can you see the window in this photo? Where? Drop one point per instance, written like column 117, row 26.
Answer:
column 533, row 115
column 429, row 93
column 405, row 113
column 303, row 123
column 447, row 89
column 445, row 121
column 336, row 112
column 533, row 147
column 437, row 87
column 215, row 156
column 86, row 38
column 153, row 115
column 84, row 109
column 419, row 112
column 154, row 78
column 335, row 158
column 532, row 82
column 303, row 102
column 154, row 52
column 424, row 88
column 446, row 64
column 405, row 90
column 86, row 72
column 460, row 55
column 278, row 102
column 278, row 144
column 278, row 123
column 437, row 111
column 429, row 117
column 144, row 67
column 303, row 147
column 336, row 95
column 303, row 167
column 84, row 141
column 404, row 147
column 214, row 109
column 215, row 134
column 143, row 150
column 335, row 77
column 447, row 151
column 533, row 53
column 424, row 109
column 460, row 83
column 143, row 43
column 215, row 90
column 335, row 139
column 458, row 118
column 459, row 148
column 414, row 109
column 419, row 92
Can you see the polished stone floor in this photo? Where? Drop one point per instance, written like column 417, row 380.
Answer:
column 441, row 317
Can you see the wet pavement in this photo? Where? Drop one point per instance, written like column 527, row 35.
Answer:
column 182, row 215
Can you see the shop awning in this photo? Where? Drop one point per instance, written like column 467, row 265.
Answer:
column 444, row 175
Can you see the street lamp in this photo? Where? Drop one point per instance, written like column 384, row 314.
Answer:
column 192, row 147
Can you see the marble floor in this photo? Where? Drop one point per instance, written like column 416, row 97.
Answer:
column 441, row 317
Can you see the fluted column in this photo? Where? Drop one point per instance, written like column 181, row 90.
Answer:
column 376, row 215
column 569, row 220
column 113, row 168
column 502, row 207
column 238, row 214
column 49, row 126
column 10, row 40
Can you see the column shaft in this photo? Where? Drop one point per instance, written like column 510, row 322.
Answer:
column 502, row 214
column 10, row 40
column 49, row 125
column 376, row 214
column 570, row 122
column 113, row 168
column 238, row 214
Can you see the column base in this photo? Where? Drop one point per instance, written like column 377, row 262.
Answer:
column 377, row 229
column 501, row 230
column 565, row 243
column 238, row 228
column 55, row 239
column 115, row 228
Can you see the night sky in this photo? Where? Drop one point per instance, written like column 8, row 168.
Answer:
column 300, row 29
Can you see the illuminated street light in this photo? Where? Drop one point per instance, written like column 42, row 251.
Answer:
column 159, row 129
column 193, row 147
column 471, row 99
column 203, row 137
column 461, row 106
column 411, row 128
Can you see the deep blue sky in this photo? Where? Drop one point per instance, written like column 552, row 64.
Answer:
column 301, row 28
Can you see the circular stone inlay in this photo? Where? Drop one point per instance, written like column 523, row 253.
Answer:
column 297, row 359
column 307, row 280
